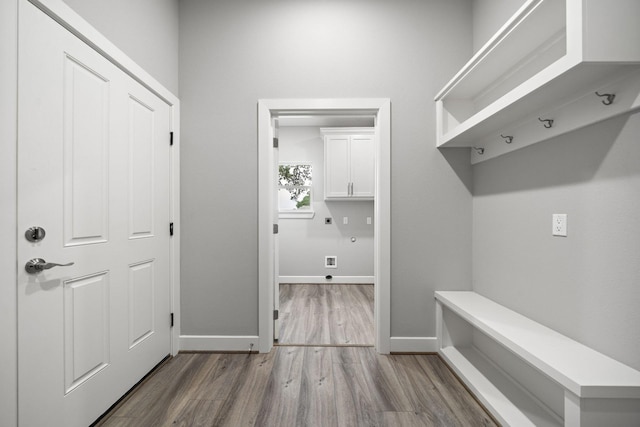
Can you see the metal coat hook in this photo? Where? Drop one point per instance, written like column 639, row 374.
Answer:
column 547, row 122
column 610, row 97
column 479, row 150
column 508, row 139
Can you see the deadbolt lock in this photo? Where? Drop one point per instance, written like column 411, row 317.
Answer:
column 35, row 234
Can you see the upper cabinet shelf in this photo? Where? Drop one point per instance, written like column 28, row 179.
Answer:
column 545, row 63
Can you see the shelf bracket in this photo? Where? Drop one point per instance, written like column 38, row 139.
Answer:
column 610, row 97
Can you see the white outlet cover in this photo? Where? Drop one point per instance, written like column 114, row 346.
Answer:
column 559, row 225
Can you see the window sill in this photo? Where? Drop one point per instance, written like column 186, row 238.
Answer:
column 296, row 215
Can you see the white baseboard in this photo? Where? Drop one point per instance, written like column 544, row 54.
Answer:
column 414, row 345
column 243, row 343
column 321, row 279
column 218, row 343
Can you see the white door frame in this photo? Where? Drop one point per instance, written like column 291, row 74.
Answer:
column 64, row 15
column 381, row 109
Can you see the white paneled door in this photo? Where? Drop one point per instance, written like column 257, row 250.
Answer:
column 93, row 173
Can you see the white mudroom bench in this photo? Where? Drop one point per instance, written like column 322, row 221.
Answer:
column 527, row 374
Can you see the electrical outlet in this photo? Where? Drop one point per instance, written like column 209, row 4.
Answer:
column 345, row 220
column 559, row 225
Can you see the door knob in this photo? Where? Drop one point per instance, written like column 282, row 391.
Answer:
column 37, row 265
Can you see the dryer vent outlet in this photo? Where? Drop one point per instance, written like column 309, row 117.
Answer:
column 331, row 262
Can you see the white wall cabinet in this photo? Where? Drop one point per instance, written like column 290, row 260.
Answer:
column 349, row 166
column 537, row 77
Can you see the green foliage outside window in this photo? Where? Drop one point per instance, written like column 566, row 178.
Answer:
column 306, row 201
column 296, row 179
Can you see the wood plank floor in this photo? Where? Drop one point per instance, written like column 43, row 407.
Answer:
column 300, row 386
column 321, row 314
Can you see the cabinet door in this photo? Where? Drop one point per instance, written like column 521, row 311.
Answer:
column 336, row 176
column 362, row 167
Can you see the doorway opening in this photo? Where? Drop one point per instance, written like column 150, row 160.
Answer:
column 324, row 289
column 270, row 113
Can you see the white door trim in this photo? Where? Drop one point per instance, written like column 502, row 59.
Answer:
column 379, row 107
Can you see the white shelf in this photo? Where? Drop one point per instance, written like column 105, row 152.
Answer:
column 569, row 113
column 550, row 52
column 497, row 391
column 576, row 367
column 528, row 374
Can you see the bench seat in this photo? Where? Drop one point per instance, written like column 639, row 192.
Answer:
column 585, row 374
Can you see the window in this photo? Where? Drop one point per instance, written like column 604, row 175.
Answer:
column 294, row 190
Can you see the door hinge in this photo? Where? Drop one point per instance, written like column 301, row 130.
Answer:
column 172, row 320
column 275, row 228
column 275, row 142
column 170, row 229
column 170, row 138
column 276, row 313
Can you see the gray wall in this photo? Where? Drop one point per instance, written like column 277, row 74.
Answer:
column 232, row 54
column 146, row 30
column 305, row 242
column 489, row 16
column 584, row 285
